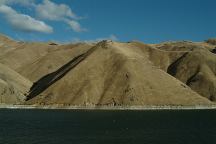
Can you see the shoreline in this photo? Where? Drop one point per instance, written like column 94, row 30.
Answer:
column 58, row 107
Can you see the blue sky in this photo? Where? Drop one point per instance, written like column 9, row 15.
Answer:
column 150, row 21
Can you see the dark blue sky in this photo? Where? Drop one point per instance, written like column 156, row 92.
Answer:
column 149, row 21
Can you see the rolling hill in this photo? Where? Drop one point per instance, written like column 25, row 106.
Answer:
column 108, row 73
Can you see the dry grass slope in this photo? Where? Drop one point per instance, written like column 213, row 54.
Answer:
column 12, row 86
column 108, row 73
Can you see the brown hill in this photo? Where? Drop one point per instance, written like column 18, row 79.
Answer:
column 12, row 86
column 197, row 69
column 113, row 73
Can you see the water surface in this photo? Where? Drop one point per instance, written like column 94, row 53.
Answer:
column 107, row 127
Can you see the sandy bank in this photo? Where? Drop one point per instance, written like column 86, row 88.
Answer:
column 199, row 107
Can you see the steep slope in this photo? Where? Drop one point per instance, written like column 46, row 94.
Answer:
column 160, row 57
column 113, row 74
column 53, row 60
column 12, row 86
column 198, row 70
column 108, row 73
column 192, row 63
column 34, row 60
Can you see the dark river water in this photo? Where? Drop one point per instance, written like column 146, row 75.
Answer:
column 107, row 127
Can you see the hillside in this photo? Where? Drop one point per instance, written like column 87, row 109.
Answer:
column 110, row 73
column 13, row 86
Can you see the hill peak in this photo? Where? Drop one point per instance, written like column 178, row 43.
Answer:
column 111, row 73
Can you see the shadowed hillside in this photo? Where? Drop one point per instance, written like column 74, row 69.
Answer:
column 109, row 73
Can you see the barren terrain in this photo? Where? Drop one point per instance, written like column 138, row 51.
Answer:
column 107, row 73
